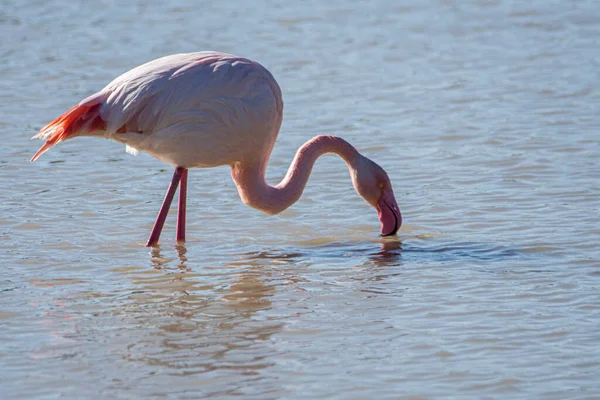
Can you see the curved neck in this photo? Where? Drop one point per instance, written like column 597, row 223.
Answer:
column 256, row 192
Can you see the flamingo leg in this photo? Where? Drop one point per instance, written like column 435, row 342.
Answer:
column 180, row 235
column 164, row 209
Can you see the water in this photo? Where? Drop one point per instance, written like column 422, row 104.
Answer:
column 485, row 115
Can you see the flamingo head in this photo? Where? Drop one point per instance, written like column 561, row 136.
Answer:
column 373, row 184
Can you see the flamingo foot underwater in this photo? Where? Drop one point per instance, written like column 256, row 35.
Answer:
column 206, row 109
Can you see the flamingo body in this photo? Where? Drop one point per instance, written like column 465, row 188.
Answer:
column 207, row 109
column 190, row 110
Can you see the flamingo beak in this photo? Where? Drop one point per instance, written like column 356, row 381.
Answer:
column 388, row 213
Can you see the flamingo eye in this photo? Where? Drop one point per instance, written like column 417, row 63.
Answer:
column 381, row 186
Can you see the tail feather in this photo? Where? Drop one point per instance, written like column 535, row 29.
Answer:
column 78, row 119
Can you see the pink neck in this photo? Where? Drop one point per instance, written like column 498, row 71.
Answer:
column 256, row 192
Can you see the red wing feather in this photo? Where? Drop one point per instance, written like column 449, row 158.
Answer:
column 69, row 125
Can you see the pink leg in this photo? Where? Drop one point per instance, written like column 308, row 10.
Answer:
column 180, row 235
column 164, row 209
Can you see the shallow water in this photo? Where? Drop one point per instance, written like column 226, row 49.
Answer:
column 485, row 115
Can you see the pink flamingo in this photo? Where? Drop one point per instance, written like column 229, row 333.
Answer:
column 207, row 109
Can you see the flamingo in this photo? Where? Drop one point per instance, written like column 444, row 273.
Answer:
column 206, row 109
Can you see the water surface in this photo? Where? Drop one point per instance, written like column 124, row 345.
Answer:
column 485, row 115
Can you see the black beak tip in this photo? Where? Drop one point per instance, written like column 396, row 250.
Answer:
column 392, row 233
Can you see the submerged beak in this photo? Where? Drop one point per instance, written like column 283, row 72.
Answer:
column 389, row 213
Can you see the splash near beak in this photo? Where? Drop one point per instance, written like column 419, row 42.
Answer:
column 389, row 213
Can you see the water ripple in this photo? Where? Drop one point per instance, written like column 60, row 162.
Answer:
column 484, row 114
